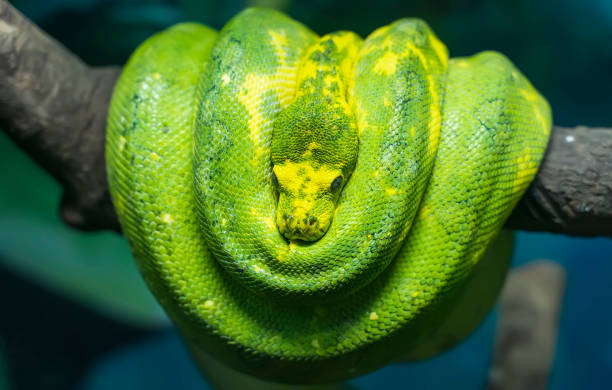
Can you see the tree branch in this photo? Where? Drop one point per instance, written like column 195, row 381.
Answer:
column 526, row 334
column 572, row 192
column 54, row 107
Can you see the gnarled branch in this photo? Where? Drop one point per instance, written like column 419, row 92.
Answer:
column 54, row 107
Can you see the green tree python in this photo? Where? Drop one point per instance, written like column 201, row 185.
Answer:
column 308, row 209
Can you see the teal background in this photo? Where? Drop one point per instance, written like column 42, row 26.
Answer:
column 75, row 313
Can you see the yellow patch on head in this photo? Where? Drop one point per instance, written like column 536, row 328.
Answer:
column 329, row 79
column 304, row 190
column 308, row 70
column 310, row 148
column 291, row 176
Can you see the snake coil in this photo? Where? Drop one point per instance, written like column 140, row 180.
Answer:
column 411, row 260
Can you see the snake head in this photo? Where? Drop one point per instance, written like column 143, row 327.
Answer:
column 314, row 151
column 307, row 198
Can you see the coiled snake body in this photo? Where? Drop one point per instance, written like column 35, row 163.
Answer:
column 310, row 208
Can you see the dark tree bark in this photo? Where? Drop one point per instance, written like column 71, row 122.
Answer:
column 54, row 107
column 572, row 192
column 526, row 332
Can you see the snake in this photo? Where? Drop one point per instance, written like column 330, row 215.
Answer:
column 310, row 208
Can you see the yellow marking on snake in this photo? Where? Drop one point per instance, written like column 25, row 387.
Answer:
column 225, row 78
column 440, row 49
column 379, row 31
column 209, row 304
column 285, row 74
column 415, row 50
column 122, row 142
column 290, row 176
column 436, row 116
column 251, row 96
column 390, row 191
column 269, row 221
column 386, row 64
column 343, row 41
column 526, row 169
column 533, row 97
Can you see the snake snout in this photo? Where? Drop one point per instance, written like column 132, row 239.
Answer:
column 301, row 226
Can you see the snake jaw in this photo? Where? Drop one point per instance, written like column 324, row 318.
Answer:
column 296, row 222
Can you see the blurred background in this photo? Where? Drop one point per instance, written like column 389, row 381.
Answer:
column 75, row 313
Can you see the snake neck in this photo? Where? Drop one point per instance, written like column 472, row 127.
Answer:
column 315, row 141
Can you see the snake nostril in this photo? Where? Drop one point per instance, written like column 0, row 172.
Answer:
column 311, row 220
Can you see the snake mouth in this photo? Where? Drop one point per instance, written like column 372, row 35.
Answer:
column 304, row 227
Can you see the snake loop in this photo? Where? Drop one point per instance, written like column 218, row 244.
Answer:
column 222, row 154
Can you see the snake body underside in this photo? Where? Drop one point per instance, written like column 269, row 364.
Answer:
column 308, row 208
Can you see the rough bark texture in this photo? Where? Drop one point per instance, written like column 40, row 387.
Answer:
column 54, row 107
column 526, row 332
column 572, row 192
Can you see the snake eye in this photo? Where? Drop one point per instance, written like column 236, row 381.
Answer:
column 336, row 184
column 274, row 179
